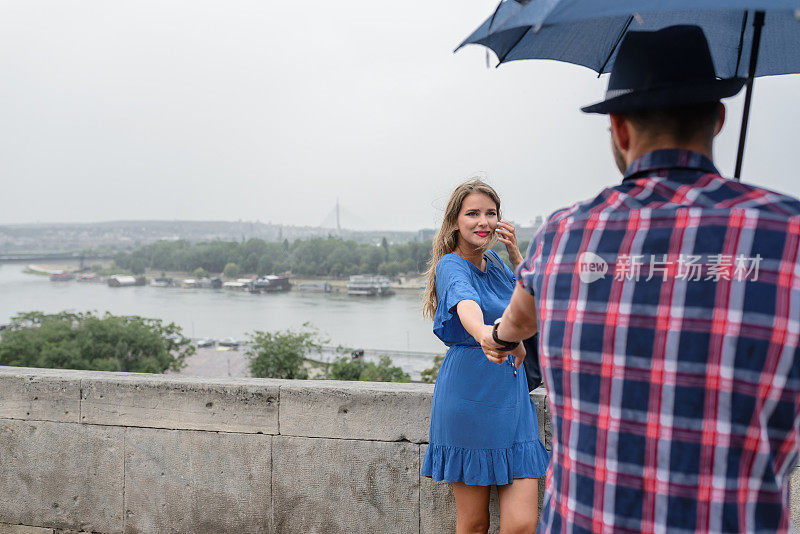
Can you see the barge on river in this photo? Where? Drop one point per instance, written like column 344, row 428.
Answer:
column 370, row 286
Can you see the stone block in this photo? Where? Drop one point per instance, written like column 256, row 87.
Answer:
column 181, row 481
column 794, row 497
column 61, row 475
column 34, row 395
column 356, row 410
column 190, row 403
column 332, row 486
column 23, row 529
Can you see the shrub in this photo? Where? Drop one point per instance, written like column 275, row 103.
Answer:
column 282, row 354
column 429, row 375
column 346, row 368
column 87, row 341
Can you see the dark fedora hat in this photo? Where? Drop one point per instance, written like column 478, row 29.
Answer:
column 665, row 68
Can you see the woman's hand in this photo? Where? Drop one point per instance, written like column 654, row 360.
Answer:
column 519, row 355
column 507, row 234
column 490, row 349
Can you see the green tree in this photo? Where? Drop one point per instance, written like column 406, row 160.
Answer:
column 430, row 374
column 332, row 256
column 265, row 265
column 372, row 260
column 385, row 247
column 346, row 368
column 87, row 341
column 282, row 354
column 390, row 268
column 231, row 270
column 199, row 273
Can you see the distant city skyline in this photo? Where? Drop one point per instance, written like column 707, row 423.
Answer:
column 271, row 111
column 120, row 235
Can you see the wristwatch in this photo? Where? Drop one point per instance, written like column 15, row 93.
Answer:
column 506, row 345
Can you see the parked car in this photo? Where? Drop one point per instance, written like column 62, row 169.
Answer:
column 229, row 342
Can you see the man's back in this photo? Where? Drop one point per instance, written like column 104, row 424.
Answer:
column 669, row 311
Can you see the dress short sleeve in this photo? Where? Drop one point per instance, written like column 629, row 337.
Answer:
column 453, row 284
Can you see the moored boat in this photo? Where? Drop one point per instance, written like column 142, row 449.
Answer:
column 61, row 276
column 271, row 284
column 368, row 285
column 121, row 280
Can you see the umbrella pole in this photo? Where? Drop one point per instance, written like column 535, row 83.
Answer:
column 758, row 23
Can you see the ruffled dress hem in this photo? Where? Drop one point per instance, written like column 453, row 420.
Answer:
column 484, row 467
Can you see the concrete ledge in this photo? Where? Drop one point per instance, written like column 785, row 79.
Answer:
column 157, row 401
column 356, row 410
column 22, row 529
column 39, row 396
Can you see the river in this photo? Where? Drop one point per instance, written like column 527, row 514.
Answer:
column 392, row 323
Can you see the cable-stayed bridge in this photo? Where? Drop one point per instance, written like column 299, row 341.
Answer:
column 342, row 218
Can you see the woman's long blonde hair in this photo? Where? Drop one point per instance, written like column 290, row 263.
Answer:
column 446, row 238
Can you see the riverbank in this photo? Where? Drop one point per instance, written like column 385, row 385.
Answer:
column 409, row 282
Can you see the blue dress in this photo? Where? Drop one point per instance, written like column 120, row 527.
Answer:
column 483, row 422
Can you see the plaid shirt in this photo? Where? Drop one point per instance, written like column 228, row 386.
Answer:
column 669, row 312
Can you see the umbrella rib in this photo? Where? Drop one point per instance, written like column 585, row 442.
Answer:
column 741, row 43
column 514, row 45
column 616, row 44
column 489, row 31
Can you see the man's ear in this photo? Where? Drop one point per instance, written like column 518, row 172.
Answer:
column 620, row 129
column 721, row 119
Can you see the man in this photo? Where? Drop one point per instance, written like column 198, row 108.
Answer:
column 669, row 312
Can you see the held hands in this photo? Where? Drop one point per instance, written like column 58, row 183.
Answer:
column 507, row 234
column 496, row 354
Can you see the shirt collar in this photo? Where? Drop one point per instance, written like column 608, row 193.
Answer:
column 669, row 159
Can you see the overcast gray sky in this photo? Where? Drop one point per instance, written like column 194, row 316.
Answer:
column 265, row 110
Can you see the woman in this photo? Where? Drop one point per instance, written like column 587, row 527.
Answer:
column 484, row 429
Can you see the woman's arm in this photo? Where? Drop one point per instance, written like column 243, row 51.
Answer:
column 471, row 316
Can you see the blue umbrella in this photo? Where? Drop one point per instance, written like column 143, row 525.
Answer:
column 588, row 33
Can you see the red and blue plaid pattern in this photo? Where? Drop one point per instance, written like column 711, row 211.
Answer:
column 669, row 312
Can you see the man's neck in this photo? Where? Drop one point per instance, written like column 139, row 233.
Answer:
column 643, row 147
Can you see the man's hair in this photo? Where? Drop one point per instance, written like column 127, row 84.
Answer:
column 682, row 123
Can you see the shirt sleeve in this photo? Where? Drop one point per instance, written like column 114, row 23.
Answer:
column 453, row 284
column 526, row 271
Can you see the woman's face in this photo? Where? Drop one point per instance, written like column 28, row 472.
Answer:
column 477, row 220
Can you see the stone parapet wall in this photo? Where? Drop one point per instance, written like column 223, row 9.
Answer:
column 132, row 453
column 85, row 451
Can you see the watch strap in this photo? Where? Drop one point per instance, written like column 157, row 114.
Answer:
column 507, row 345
